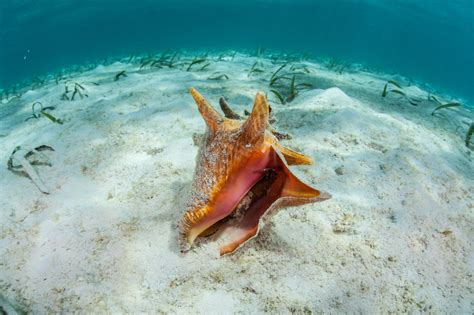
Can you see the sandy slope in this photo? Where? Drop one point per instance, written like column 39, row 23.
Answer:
column 397, row 235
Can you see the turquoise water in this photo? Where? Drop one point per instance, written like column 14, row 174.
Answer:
column 431, row 41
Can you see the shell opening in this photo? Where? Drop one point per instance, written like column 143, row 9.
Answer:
column 242, row 223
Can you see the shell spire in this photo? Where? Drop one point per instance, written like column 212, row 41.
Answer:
column 212, row 117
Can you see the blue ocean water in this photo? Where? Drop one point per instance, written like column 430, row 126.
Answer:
column 431, row 41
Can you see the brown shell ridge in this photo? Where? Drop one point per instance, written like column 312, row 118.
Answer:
column 292, row 157
column 212, row 117
column 256, row 124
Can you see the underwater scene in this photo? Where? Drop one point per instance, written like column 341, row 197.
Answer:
column 236, row 157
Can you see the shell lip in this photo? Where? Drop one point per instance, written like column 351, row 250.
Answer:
column 277, row 184
column 230, row 195
column 241, row 227
column 274, row 187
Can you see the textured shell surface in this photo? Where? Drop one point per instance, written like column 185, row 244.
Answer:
column 241, row 176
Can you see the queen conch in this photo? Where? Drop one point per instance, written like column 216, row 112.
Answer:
column 241, row 176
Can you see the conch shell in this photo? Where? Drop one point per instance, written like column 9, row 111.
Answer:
column 241, row 175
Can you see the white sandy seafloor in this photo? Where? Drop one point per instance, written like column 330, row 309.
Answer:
column 396, row 236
